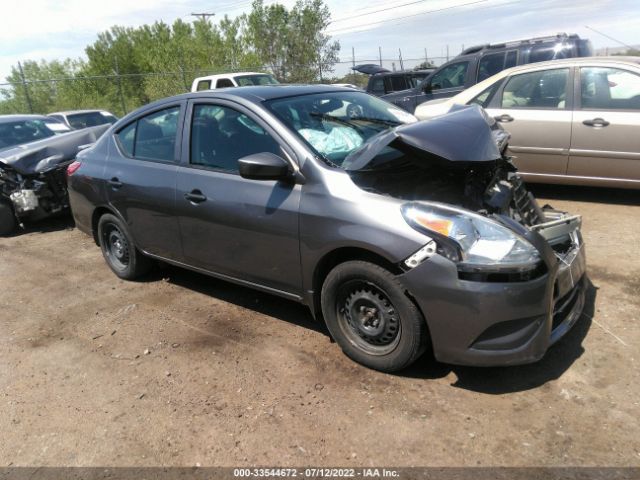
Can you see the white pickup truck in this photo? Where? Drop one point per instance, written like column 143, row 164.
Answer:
column 238, row 79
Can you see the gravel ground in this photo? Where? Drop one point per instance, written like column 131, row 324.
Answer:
column 181, row 369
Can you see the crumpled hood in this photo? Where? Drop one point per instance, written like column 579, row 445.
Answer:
column 42, row 155
column 465, row 134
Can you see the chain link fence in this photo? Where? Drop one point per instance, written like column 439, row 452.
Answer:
column 121, row 92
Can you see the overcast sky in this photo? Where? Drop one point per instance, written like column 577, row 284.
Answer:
column 57, row 29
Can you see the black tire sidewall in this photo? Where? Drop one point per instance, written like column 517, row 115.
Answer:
column 413, row 330
column 137, row 263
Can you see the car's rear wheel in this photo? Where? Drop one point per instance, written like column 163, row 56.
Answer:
column 7, row 219
column 372, row 319
column 119, row 252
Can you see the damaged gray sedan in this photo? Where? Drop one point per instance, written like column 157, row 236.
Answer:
column 402, row 236
column 34, row 153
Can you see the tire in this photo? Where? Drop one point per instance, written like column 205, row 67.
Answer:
column 118, row 249
column 7, row 219
column 372, row 319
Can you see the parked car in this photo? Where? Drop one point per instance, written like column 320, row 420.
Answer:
column 383, row 81
column 478, row 63
column 401, row 236
column 571, row 121
column 79, row 119
column 35, row 151
column 238, row 79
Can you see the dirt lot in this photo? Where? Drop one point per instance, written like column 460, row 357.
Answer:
column 182, row 369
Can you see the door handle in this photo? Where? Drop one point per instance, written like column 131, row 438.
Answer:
column 115, row 183
column 596, row 122
column 504, row 118
column 195, row 196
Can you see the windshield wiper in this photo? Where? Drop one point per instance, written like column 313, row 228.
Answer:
column 379, row 121
column 331, row 118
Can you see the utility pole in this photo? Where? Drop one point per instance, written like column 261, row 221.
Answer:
column 447, row 52
column 353, row 57
column 426, row 57
column 400, row 58
column 203, row 16
column 26, row 89
column 120, row 93
column 380, row 55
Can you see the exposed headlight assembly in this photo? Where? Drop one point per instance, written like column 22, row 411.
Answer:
column 474, row 242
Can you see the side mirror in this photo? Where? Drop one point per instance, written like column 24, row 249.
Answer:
column 264, row 166
column 426, row 87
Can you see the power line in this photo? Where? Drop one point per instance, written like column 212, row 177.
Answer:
column 377, row 11
column 346, row 29
column 610, row 38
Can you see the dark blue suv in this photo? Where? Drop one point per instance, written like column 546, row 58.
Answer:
column 478, row 63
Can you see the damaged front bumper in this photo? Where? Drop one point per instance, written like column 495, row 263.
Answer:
column 484, row 323
column 35, row 196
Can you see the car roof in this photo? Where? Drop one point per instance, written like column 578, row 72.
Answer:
column 73, row 112
column 259, row 93
column 231, row 74
column 22, row 118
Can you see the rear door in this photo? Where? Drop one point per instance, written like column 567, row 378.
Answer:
column 141, row 179
column 245, row 229
column 606, row 122
column 535, row 108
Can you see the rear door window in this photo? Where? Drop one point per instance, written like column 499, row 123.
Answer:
column 152, row 137
column 490, row 65
column 541, row 89
column 609, row 89
column 512, row 59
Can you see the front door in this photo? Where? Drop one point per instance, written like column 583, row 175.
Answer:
column 246, row 229
column 605, row 141
column 535, row 109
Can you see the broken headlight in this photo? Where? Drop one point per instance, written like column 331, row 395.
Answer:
column 474, row 242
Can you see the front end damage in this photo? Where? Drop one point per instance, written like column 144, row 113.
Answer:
column 499, row 278
column 33, row 176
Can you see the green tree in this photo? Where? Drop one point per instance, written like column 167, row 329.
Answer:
column 292, row 43
column 128, row 67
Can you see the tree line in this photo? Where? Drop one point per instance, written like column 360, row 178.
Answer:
column 129, row 67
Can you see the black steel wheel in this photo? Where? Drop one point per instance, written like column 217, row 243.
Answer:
column 119, row 250
column 116, row 246
column 369, row 315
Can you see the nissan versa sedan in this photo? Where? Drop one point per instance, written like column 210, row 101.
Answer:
column 571, row 121
column 401, row 236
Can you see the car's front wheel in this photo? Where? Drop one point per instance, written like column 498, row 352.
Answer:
column 118, row 249
column 372, row 319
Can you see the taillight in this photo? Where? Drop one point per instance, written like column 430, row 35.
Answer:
column 73, row 167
